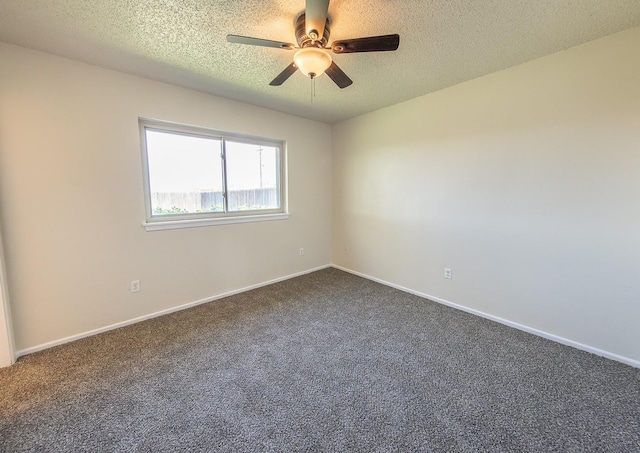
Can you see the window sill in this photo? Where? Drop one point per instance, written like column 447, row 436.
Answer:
column 194, row 223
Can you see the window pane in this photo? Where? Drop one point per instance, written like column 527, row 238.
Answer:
column 185, row 173
column 252, row 176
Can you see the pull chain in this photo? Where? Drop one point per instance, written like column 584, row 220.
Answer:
column 313, row 87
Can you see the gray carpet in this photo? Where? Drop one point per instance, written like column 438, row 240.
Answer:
column 323, row 362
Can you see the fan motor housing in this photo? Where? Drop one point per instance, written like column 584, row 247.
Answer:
column 306, row 41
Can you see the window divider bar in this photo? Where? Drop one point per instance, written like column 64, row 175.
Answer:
column 223, row 156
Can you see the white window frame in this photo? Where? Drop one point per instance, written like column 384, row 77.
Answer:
column 172, row 221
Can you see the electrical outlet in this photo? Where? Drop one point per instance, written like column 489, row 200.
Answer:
column 346, row 250
column 135, row 286
column 447, row 273
column 301, row 251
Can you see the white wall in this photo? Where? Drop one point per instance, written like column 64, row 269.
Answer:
column 525, row 182
column 72, row 202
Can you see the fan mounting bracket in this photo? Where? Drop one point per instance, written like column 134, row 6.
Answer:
column 310, row 40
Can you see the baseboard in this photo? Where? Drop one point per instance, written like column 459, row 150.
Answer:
column 540, row 333
column 117, row 325
column 506, row 322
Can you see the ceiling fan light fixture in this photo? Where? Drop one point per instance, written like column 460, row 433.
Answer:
column 312, row 35
column 312, row 61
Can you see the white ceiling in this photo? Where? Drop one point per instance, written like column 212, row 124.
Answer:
column 442, row 43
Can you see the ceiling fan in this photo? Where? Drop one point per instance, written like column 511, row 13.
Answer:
column 312, row 35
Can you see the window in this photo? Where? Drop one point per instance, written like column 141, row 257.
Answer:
column 196, row 177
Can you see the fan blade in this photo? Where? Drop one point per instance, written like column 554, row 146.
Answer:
column 371, row 44
column 284, row 75
column 316, row 17
column 259, row 42
column 338, row 76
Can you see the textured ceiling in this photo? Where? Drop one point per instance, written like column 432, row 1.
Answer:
column 442, row 42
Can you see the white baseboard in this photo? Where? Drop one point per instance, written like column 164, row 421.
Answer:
column 540, row 333
column 117, row 325
column 506, row 322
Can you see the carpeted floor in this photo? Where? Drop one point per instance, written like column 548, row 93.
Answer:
column 323, row 362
